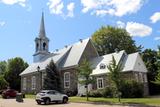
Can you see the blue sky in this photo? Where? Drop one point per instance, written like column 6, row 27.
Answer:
column 67, row 21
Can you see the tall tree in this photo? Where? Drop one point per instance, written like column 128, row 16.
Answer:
column 150, row 59
column 108, row 38
column 84, row 75
column 3, row 67
column 3, row 83
column 115, row 75
column 52, row 80
column 15, row 67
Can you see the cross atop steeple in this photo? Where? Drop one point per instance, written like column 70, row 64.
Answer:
column 42, row 32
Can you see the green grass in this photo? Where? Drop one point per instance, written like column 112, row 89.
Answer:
column 31, row 96
column 144, row 101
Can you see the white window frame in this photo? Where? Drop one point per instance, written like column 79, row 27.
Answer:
column 136, row 77
column 33, row 82
column 66, row 81
column 98, row 86
column 145, row 78
column 24, row 83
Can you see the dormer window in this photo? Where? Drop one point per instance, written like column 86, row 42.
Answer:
column 102, row 66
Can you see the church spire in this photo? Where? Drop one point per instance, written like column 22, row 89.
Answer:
column 42, row 32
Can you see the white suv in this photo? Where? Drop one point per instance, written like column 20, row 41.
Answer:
column 48, row 96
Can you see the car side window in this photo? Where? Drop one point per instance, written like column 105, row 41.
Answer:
column 51, row 92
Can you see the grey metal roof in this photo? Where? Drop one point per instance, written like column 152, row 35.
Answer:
column 131, row 62
column 106, row 59
column 70, row 56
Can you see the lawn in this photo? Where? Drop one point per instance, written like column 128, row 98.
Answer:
column 145, row 101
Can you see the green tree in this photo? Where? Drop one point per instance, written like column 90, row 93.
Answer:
column 157, row 79
column 3, row 67
column 115, row 75
column 15, row 67
column 84, row 71
column 108, row 38
column 150, row 58
column 52, row 80
column 3, row 83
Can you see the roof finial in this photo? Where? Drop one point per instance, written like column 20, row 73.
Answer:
column 42, row 32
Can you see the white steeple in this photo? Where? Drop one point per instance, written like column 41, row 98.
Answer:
column 41, row 42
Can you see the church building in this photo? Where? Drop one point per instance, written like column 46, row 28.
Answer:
column 70, row 57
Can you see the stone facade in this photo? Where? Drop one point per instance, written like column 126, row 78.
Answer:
column 137, row 76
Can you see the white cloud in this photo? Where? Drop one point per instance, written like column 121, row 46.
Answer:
column 2, row 23
column 138, row 29
column 55, row 6
column 12, row 2
column 155, row 17
column 111, row 7
column 157, row 38
column 120, row 24
column 70, row 8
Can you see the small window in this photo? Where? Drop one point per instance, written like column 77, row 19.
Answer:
column 102, row 66
column 141, row 77
column 24, row 83
column 145, row 78
column 33, row 82
column 100, row 83
column 66, row 80
column 136, row 77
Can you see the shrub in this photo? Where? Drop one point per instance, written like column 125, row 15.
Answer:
column 131, row 89
column 96, row 93
column 107, row 92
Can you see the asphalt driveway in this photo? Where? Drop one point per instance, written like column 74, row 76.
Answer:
column 32, row 103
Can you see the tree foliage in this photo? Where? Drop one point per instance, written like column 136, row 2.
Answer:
column 3, row 83
column 3, row 67
column 115, row 75
column 15, row 67
column 151, row 59
column 108, row 38
column 84, row 74
column 52, row 80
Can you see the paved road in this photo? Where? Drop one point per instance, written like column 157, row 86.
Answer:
column 32, row 103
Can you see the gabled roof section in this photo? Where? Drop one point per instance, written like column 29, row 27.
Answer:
column 75, row 53
column 56, row 56
column 105, row 59
column 134, row 63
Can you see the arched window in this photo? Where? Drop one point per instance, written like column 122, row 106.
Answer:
column 44, row 46
column 37, row 46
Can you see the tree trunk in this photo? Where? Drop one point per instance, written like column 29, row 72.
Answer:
column 87, row 92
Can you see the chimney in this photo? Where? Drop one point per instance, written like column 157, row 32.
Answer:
column 116, row 50
column 81, row 40
column 65, row 46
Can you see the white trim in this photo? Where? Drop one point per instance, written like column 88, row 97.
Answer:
column 67, row 81
column 100, row 87
column 33, row 83
column 24, row 83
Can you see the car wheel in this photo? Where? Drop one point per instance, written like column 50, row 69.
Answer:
column 47, row 101
column 65, row 100
column 38, row 102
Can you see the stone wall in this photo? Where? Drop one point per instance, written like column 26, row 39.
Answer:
column 137, row 76
column 73, row 81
